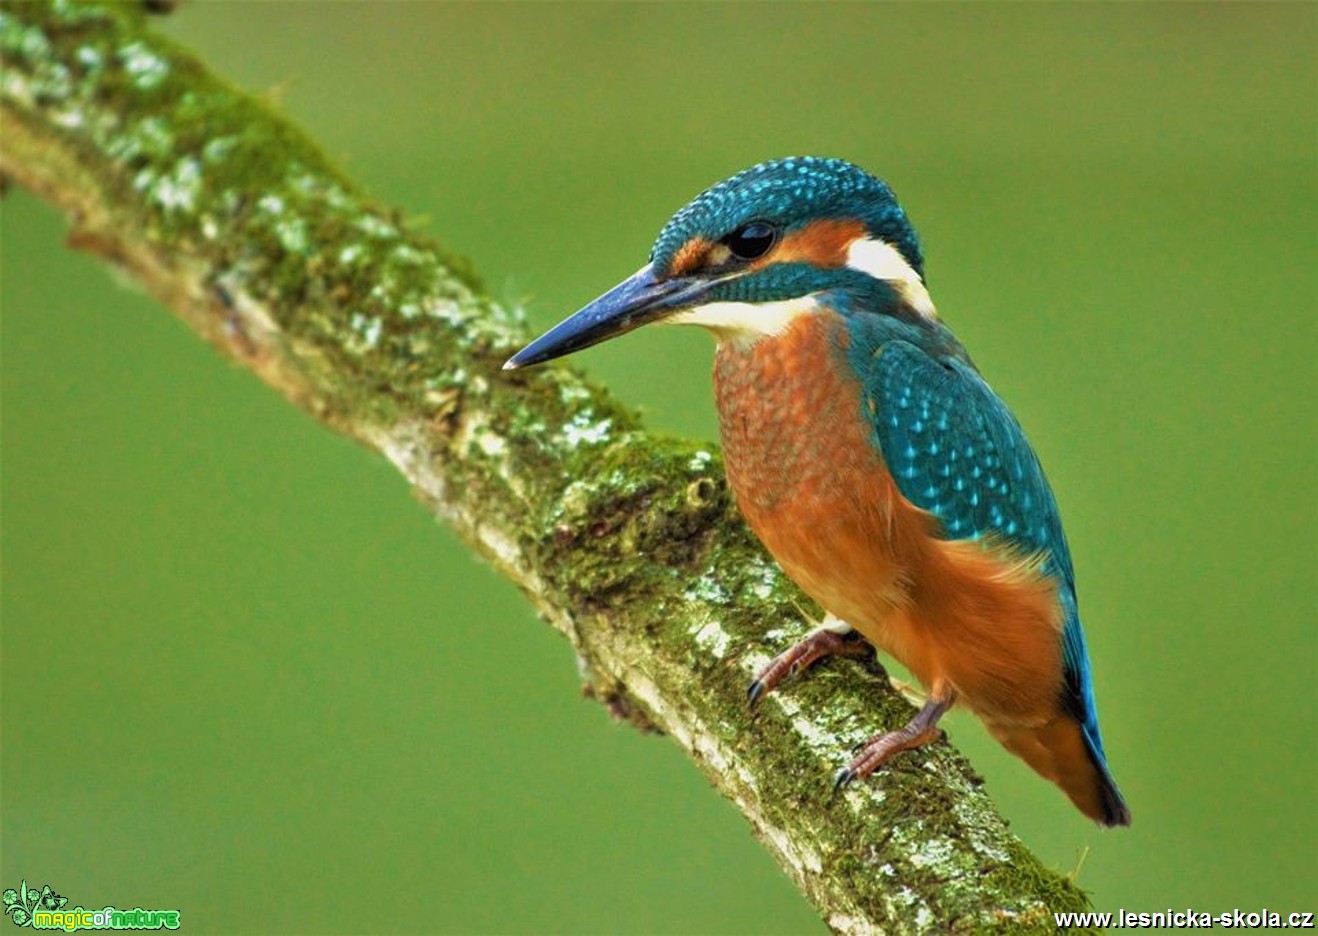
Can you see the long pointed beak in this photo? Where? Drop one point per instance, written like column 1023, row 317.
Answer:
column 639, row 299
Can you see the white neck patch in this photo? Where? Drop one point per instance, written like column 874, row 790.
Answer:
column 883, row 261
column 746, row 322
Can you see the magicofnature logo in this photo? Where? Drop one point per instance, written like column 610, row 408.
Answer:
column 44, row 909
column 21, row 905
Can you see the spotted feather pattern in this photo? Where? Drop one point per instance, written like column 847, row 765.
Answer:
column 955, row 450
column 791, row 192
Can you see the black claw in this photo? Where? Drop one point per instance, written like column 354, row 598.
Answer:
column 842, row 778
column 754, row 692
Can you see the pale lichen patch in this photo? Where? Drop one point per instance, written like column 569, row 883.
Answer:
column 454, row 378
column 911, row 905
column 852, row 925
column 570, row 392
column 148, row 69
column 492, row 444
column 575, row 501
column 754, row 661
column 218, row 148
column 972, row 810
column 708, row 589
column 366, row 329
column 764, row 578
column 376, row 226
column 584, row 429
column 476, row 437
column 712, row 637
column 930, row 852
column 153, row 137
column 290, row 226
column 292, row 234
column 90, row 57
column 179, row 189
column 699, row 461
column 820, row 739
column 70, row 119
column 407, row 254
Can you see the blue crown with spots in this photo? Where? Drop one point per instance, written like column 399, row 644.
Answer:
column 788, row 193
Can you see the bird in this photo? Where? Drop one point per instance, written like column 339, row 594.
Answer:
column 873, row 461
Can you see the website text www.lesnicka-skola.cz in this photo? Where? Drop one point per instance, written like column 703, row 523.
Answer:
column 1185, row 919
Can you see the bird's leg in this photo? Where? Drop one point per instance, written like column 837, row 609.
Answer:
column 831, row 638
column 921, row 730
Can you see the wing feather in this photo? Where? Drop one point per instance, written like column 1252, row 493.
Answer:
column 956, row 451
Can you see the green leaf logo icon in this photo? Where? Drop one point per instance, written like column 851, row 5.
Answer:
column 22, row 903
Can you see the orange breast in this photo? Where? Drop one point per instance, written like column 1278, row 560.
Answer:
column 804, row 473
column 815, row 489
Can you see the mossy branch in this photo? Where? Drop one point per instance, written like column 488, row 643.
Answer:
column 626, row 542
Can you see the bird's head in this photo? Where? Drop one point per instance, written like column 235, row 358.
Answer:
column 750, row 254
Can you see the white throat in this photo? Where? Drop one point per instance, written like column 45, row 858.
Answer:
column 746, row 322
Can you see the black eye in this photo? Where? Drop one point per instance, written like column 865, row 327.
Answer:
column 751, row 241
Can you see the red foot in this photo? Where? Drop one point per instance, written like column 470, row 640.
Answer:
column 921, row 730
column 819, row 643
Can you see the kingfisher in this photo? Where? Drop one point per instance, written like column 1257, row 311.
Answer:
column 873, row 460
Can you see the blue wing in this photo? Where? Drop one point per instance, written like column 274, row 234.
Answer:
column 955, row 450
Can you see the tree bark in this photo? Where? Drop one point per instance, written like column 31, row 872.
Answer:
column 626, row 542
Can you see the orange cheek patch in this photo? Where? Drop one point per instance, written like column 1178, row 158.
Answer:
column 690, row 257
column 821, row 244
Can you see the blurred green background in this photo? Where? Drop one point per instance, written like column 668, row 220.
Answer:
column 247, row 677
